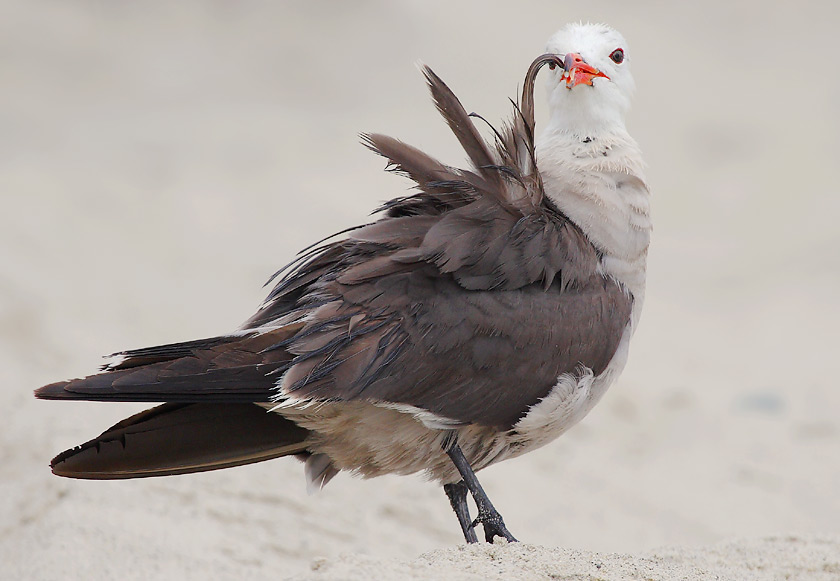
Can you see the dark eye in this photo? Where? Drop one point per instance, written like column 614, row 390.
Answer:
column 617, row 56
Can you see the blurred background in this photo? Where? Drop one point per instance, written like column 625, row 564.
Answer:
column 159, row 160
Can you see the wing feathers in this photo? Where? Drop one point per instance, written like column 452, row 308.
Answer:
column 463, row 128
column 179, row 439
column 233, row 369
column 466, row 299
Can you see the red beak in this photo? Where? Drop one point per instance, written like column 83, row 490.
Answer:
column 578, row 71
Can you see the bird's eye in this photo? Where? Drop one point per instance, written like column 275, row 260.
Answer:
column 617, row 56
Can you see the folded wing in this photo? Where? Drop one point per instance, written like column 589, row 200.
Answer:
column 467, row 299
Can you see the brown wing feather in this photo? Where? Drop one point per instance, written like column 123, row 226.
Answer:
column 462, row 126
column 473, row 356
column 226, row 369
column 183, row 438
column 467, row 299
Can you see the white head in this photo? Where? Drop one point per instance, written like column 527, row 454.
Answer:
column 592, row 95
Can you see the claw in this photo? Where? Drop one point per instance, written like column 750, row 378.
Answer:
column 494, row 526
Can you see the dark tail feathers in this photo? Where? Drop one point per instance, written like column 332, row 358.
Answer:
column 183, row 438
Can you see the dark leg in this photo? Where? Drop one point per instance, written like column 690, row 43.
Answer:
column 488, row 516
column 457, row 494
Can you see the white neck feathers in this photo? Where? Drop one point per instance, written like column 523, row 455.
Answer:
column 597, row 180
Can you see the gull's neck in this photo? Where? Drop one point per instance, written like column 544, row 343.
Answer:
column 585, row 113
column 594, row 174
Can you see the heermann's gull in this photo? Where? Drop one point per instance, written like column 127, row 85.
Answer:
column 473, row 321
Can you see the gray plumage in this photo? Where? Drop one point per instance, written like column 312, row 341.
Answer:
column 465, row 301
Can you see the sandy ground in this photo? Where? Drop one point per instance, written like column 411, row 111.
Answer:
column 791, row 557
column 159, row 160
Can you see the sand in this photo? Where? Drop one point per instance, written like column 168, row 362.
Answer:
column 161, row 160
column 815, row 557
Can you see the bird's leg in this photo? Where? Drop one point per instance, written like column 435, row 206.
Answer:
column 457, row 494
column 488, row 516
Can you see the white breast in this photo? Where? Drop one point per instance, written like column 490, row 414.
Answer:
column 599, row 184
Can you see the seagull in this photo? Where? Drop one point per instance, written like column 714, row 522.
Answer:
column 474, row 320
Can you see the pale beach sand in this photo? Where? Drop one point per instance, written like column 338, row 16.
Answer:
column 160, row 160
column 791, row 557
